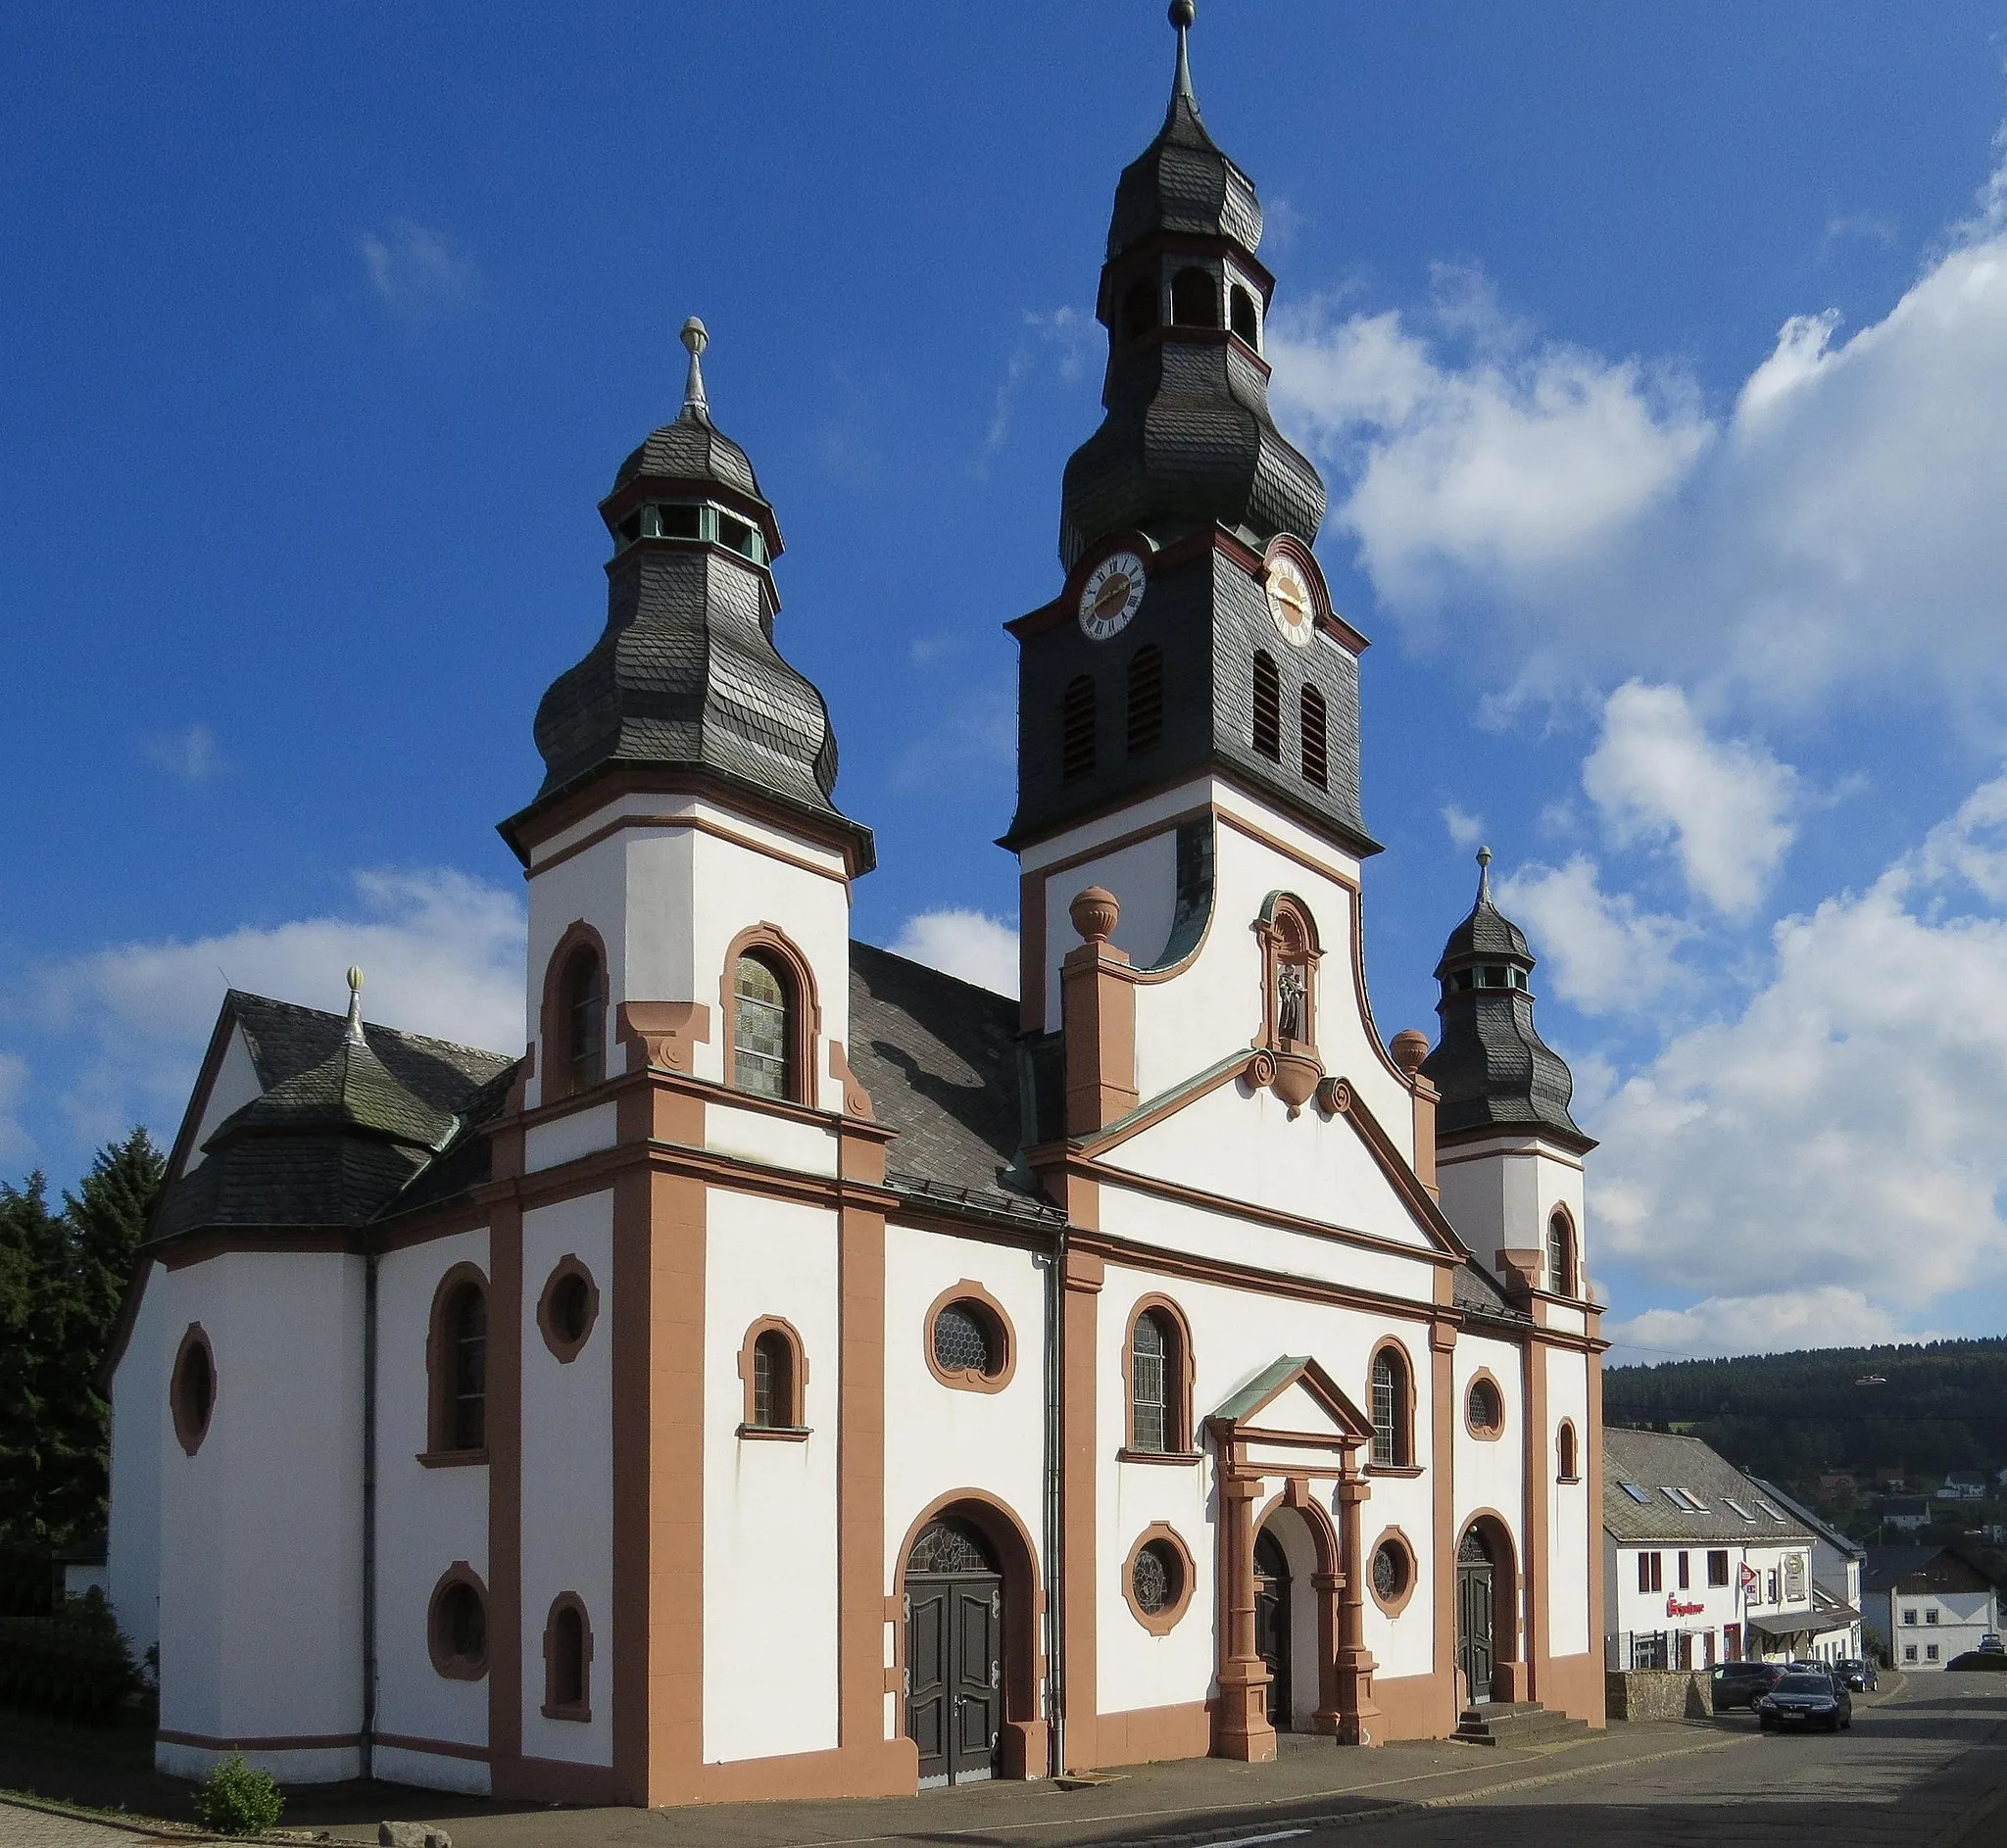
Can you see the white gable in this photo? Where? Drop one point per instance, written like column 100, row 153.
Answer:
column 1294, row 1408
column 235, row 1086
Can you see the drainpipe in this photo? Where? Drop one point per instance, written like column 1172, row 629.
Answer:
column 1055, row 1595
column 367, row 1737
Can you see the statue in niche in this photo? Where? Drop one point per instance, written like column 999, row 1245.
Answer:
column 1289, row 1001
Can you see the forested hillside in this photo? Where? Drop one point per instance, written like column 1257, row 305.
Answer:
column 1924, row 1411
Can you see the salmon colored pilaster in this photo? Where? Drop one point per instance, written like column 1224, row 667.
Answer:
column 504, row 1416
column 1355, row 1664
column 1079, row 1331
column 1241, row 1727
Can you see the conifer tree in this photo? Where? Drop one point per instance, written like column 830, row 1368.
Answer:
column 35, row 1296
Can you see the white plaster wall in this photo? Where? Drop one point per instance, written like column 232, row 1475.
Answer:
column 1490, row 1473
column 261, row 1557
column 1628, row 1609
column 567, row 1476
column 1143, row 877
column 140, row 1426
column 1205, row 1232
column 1500, row 1195
column 769, row 1508
column 235, row 1084
column 430, row 1771
column 1239, row 1143
column 1574, row 1523
column 939, row 1439
column 776, row 1142
column 577, row 1132
column 593, row 886
column 1235, row 1335
column 426, row 1519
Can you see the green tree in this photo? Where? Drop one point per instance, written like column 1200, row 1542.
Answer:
column 34, row 1304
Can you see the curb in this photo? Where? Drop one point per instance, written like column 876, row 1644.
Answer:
column 158, row 1828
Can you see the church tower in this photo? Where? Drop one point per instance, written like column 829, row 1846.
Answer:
column 687, row 792
column 1509, row 1158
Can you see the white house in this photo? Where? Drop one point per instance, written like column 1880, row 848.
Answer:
column 1699, row 1564
column 798, row 1372
column 1926, row 1604
column 1836, row 1562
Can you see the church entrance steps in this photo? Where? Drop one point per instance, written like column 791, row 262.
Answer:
column 1521, row 1723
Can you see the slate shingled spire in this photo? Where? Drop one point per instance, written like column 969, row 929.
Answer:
column 1493, row 1070
column 685, row 678
column 1188, row 438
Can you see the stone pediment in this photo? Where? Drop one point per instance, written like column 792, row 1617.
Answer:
column 1289, row 1416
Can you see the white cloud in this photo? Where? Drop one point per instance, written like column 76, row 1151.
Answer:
column 1465, row 829
column 1827, row 1317
column 1066, row 334
column 1655, row 775
column 442, row 953
column 16, row 1143
column 971, row 945
column 192, row 755
column 1607, row 955
column 1838, row 526
column 1843, row 1133
column 412, row 269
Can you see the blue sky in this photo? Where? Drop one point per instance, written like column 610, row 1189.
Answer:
column 1656, row 358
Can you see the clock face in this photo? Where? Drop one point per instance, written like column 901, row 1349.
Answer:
column 1290, row 603
column 1111, row 595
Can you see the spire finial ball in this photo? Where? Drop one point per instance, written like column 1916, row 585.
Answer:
column 355, row 980
column 694, row 336
column 1483, row 856
column 1183, row 13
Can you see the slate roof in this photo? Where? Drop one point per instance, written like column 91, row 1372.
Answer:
column 1655, row 1460
column 1183, row 183
column 693, row 449
column 1831, row 1535
column 1920, row 1569
column 1257, row 1390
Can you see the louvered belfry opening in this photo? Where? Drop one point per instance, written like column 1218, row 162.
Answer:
column 1145, row 713
column 1316, row 768
column 1267, row 707
column 1076, row 729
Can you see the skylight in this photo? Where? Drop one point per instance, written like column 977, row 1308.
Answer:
column 1639, row 1495
column 1770, row 1511
column 1738, row 1508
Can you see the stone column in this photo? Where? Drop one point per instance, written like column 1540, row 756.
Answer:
column 1355, row 1664
column 1241, row 1727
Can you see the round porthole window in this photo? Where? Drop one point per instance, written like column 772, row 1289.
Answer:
column 1486, row 1409
column 1158, row 1577
column 969, row 1340
column 1390, row 1570
column 191, row 1388
column 569, row 1308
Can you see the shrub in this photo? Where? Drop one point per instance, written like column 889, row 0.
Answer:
column 72, row 1664
column 235, row 1800
column 1973, row 1662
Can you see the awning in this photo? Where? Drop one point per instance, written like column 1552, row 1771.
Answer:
column 1805, row 1623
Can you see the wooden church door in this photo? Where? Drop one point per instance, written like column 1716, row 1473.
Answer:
column 1474, row 1590
column 1272, row 1625
column 954, row 1654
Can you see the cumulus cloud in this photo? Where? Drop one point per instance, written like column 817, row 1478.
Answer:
column 1607, row 954
column 190, row 756
column 412, row 269
column 1065, row 336
column 1655, row 775
column 16, row 1143
column 1838, row 524
column 1828, row 1317
column 442, row 953
column 1465, row 829
column 1842, row 1132
column 971, row 945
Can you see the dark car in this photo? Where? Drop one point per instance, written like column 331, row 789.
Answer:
column 1855, row 1672
column 1737, row 1683
column 1805, row 1698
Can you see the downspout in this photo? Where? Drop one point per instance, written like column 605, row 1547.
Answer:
column 366, row 1767
column 1055, row 1594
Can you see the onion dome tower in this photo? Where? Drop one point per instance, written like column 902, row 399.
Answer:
column 685, row 677
column 1194, row 631
column 1493, row 1070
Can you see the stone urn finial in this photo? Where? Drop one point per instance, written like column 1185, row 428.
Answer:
column 1093, row 913
column 1409, row 1047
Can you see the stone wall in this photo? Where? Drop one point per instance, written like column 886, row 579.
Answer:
column 1659, row 1694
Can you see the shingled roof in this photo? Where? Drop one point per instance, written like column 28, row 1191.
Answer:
column 1652, row 1462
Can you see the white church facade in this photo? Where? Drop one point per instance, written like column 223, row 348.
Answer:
column 800, row 1371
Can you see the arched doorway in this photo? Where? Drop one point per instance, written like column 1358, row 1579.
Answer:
column 1272, row 1625
column 954, row 1652
column 1476, row 1602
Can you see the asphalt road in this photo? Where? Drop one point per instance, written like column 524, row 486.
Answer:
column 1929, row 1768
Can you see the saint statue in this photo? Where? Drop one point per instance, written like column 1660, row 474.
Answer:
column 1289, row 1001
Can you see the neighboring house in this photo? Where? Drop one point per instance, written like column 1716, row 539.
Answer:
column 803, row 1372
column 1963, row 1485
column 84, row 1566
column 1701, row 1564
column 1838, row 1488
column 1836, row 1578
column 1926, row 1604
column 1906, row 1516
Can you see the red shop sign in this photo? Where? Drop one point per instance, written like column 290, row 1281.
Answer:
column 1674, row 1608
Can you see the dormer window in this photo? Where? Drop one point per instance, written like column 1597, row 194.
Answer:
column 1487, row 975
column 694, row 519
column 1243, row 315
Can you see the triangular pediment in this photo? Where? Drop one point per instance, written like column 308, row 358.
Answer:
column 1292, row 1396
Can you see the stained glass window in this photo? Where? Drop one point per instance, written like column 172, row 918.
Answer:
column 1147, row 1385
column 950, row 1545
column 1389, row 1422
column 964, row 1341
column 1390, row 1570
column 467, row 1325
column 1157, row 1579
column 760, row 1029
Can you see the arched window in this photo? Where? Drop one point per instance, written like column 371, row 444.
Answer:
column 762, row 1026
column 567, row 1660
column 773, row 1381
column 1560, row 1254
column 1565, row 1459
column 191, row 1388
column 1076, row 729
column 457, row 1625
column 1195, row 299
column 457, row 1360
column 1145, row 713
column 1243, row 315
column 584, row 1003
column 1267, row 707
column 1157, row 1365
column 1315, row 766
column 1393, row 1446
column 1139, row 308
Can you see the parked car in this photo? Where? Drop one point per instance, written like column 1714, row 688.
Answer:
column 1991, row 1645
column 1802, row 1698
column 1737, row 1683
column 1856, row 1673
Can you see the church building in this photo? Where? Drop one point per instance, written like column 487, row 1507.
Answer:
column 799, row 1372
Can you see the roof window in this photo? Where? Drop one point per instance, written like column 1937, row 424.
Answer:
column 1738, row 1508
column 694, row 519
column 1770, row 1511
column 1636, row 1493
column 1489, row 975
